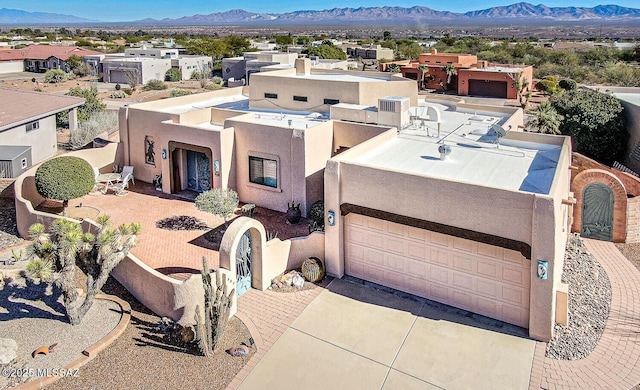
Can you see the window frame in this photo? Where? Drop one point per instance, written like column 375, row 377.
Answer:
column 253, row 182
column 35, row 125
column 298, row 98
column 331, row 102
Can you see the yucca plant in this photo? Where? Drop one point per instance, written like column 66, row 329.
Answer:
column 40, row 269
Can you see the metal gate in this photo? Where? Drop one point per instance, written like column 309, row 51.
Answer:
column 198, row 171
column 243, row 264
column 597, row 212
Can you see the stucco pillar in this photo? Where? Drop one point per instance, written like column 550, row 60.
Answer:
column 73, row 119
column 333, row 242
column 545, row 241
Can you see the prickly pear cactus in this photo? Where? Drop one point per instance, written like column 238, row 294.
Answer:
column 313, row 269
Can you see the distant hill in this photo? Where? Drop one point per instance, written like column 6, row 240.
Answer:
column 15, row 16
column 522, row 11
column 515, row 12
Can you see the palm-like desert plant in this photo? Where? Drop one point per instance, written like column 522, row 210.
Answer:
column 544, row 119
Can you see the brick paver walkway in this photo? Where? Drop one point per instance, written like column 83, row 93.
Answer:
column 267, row 315
column 614, row 364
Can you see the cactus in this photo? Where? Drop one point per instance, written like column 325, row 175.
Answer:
column 217, row 305
column 313, row 269
column 97, row 255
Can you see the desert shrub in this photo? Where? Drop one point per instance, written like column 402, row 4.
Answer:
column 221, row 202
column 128, row 91
column 64, row 178
column 179, row 92
column 568, row 84
column 118, row 87
column 118, row 95
column 549, row 85
column 154, row 85
column 173, row 74
column 212, row 87
column 99, row 122
column 316, row 216
column 55, row 76
column 218, row 80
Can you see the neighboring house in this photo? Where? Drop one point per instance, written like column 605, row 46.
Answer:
column 150, row 64
column 477, row 78
column 482, row 228
column 40, row 58
column 238, row 68
column 369, row 52
column 28, row 119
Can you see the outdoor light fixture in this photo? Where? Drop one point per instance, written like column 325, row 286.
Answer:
column 542, row 269
column 216, row 167
column 331, row 218
column 164, row 154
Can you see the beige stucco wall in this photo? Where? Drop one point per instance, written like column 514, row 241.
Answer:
column 534, row 219
column 632, row 115
column 42, row 140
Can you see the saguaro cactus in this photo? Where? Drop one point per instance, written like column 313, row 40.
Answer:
column 216, row 311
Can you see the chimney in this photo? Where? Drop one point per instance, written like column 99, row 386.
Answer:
column 303, row 66
column 434, row 51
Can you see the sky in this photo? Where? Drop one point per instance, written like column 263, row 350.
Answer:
column 127, row 10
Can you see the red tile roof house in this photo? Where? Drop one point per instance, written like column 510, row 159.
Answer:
column 40, row 58
column 29, row 119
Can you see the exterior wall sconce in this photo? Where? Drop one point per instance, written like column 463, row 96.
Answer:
column 331, row 218
column 542, row 269
column 216, row 167
column 462, row 81
column 164, row 154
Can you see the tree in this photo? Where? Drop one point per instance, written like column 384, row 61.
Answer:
column 596, row 123
column 545, row 119
column 173, row 74
column 393, row 68
column 64, row 178
column 326, row 51
column 451, row 71
column 92, row 104
column 522, row 88
column 221, row 202
column 74, row 61
column 97, row 255
column 132, row 78
column 424, row 69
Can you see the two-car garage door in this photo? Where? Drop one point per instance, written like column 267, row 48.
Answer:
column 474, row 276
column 491, row 88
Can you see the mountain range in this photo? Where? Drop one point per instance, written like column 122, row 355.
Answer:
column 513, row 13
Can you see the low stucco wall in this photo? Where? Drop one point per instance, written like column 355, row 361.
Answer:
column 165, row 296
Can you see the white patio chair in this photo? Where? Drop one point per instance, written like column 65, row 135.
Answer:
column 97, row 186
column 120, row 189
column 128, row 170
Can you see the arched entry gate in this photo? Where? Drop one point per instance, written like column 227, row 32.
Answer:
column 597, row 212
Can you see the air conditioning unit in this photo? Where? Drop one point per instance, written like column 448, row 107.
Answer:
column 394, row 111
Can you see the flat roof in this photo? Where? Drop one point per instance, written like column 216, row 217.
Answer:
column 349, row 78
column 475, row 157
column 633, row 98
column 220, row 102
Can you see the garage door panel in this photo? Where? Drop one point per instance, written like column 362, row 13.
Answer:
column 416, row 251
column 395, row 245
column 440, row 239
column 474, row 276
column 488, row 88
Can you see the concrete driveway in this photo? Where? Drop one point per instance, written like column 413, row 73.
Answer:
column 355, row 337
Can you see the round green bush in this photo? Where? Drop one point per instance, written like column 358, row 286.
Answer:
column 173, row 74
column 64, row 178
column 118, row 87
column 568, row 84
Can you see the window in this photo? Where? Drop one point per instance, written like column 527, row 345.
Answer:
column 23, row 163
column 33, row 126
column 263, row 171
column 299, row 98
column 269, row 95
column 331, row 101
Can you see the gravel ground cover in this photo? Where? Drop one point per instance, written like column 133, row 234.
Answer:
column 32, row 314
column 589, row 305
column 8, row 230
column 147, row 357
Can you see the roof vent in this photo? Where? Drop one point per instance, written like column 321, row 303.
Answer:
column 444, row 151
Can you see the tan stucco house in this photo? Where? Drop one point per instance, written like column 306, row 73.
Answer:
column 424, row 196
